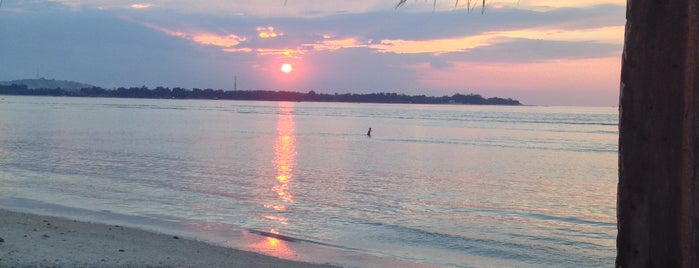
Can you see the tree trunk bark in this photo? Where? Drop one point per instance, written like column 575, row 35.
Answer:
column 657, row 205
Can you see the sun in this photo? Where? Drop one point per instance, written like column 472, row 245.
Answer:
column 286, row 68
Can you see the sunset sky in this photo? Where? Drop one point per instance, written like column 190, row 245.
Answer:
column 541, row 52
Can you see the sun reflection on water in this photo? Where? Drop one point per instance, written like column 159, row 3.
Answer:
column 284, row 161
column 284, row 151
column 271, row 245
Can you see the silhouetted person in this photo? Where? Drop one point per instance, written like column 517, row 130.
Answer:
column 369, row 132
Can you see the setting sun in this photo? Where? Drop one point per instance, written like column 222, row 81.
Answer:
column 286, row 68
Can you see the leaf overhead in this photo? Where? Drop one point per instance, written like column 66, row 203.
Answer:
column 469, row 5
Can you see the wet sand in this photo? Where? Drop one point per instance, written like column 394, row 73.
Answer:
column 28, row 240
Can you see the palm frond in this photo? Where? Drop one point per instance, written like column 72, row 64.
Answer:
column 469, row 6
column 401, row 2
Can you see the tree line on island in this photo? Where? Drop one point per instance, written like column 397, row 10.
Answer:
column 266, row 95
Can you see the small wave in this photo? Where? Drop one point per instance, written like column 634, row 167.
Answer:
column 540, row 216
column 277, row 236
column 476, row 246
column 293, row 239
column 522, row 145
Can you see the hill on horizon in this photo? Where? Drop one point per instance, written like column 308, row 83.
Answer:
column 42, row 83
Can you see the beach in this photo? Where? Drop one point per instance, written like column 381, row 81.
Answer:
column 28, row 240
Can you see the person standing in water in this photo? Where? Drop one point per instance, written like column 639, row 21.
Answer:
column 369, row 132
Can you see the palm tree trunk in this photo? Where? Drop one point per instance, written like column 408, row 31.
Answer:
column 658, row 201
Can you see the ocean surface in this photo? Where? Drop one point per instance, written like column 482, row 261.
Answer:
column 435, row 185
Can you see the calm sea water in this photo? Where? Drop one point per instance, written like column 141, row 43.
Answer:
column 442, row 185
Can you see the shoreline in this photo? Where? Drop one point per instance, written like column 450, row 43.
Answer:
column 46, row 241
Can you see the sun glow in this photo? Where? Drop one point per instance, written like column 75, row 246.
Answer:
column 286, row 68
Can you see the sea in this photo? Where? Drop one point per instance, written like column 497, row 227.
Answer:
column 433, row 186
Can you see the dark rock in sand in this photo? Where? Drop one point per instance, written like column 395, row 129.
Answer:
column 2, row 240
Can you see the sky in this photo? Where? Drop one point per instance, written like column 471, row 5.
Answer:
column 540, row 52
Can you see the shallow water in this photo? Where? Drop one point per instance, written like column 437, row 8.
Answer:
column 445, row 185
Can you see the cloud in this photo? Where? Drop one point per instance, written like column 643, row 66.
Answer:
column 235, row 50
column 33, row 6
column 260, row 8
column 436, row 46
column 547, row 5
column 335, row 44
column 140, row 6
column 285, row 52
column 161, row 29
column 267, row 32
column 226, row 41
column 612, row 35
column 200, row 37
column 608, row 34
column 318, row 9
column 531, row 50
column 398, row 32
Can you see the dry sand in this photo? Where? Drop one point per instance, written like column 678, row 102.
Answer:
column 40, row 241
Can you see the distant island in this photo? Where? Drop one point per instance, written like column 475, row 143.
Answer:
column 74, row 89
column 46, row 83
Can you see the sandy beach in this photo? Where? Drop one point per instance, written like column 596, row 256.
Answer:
column 41, row 241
